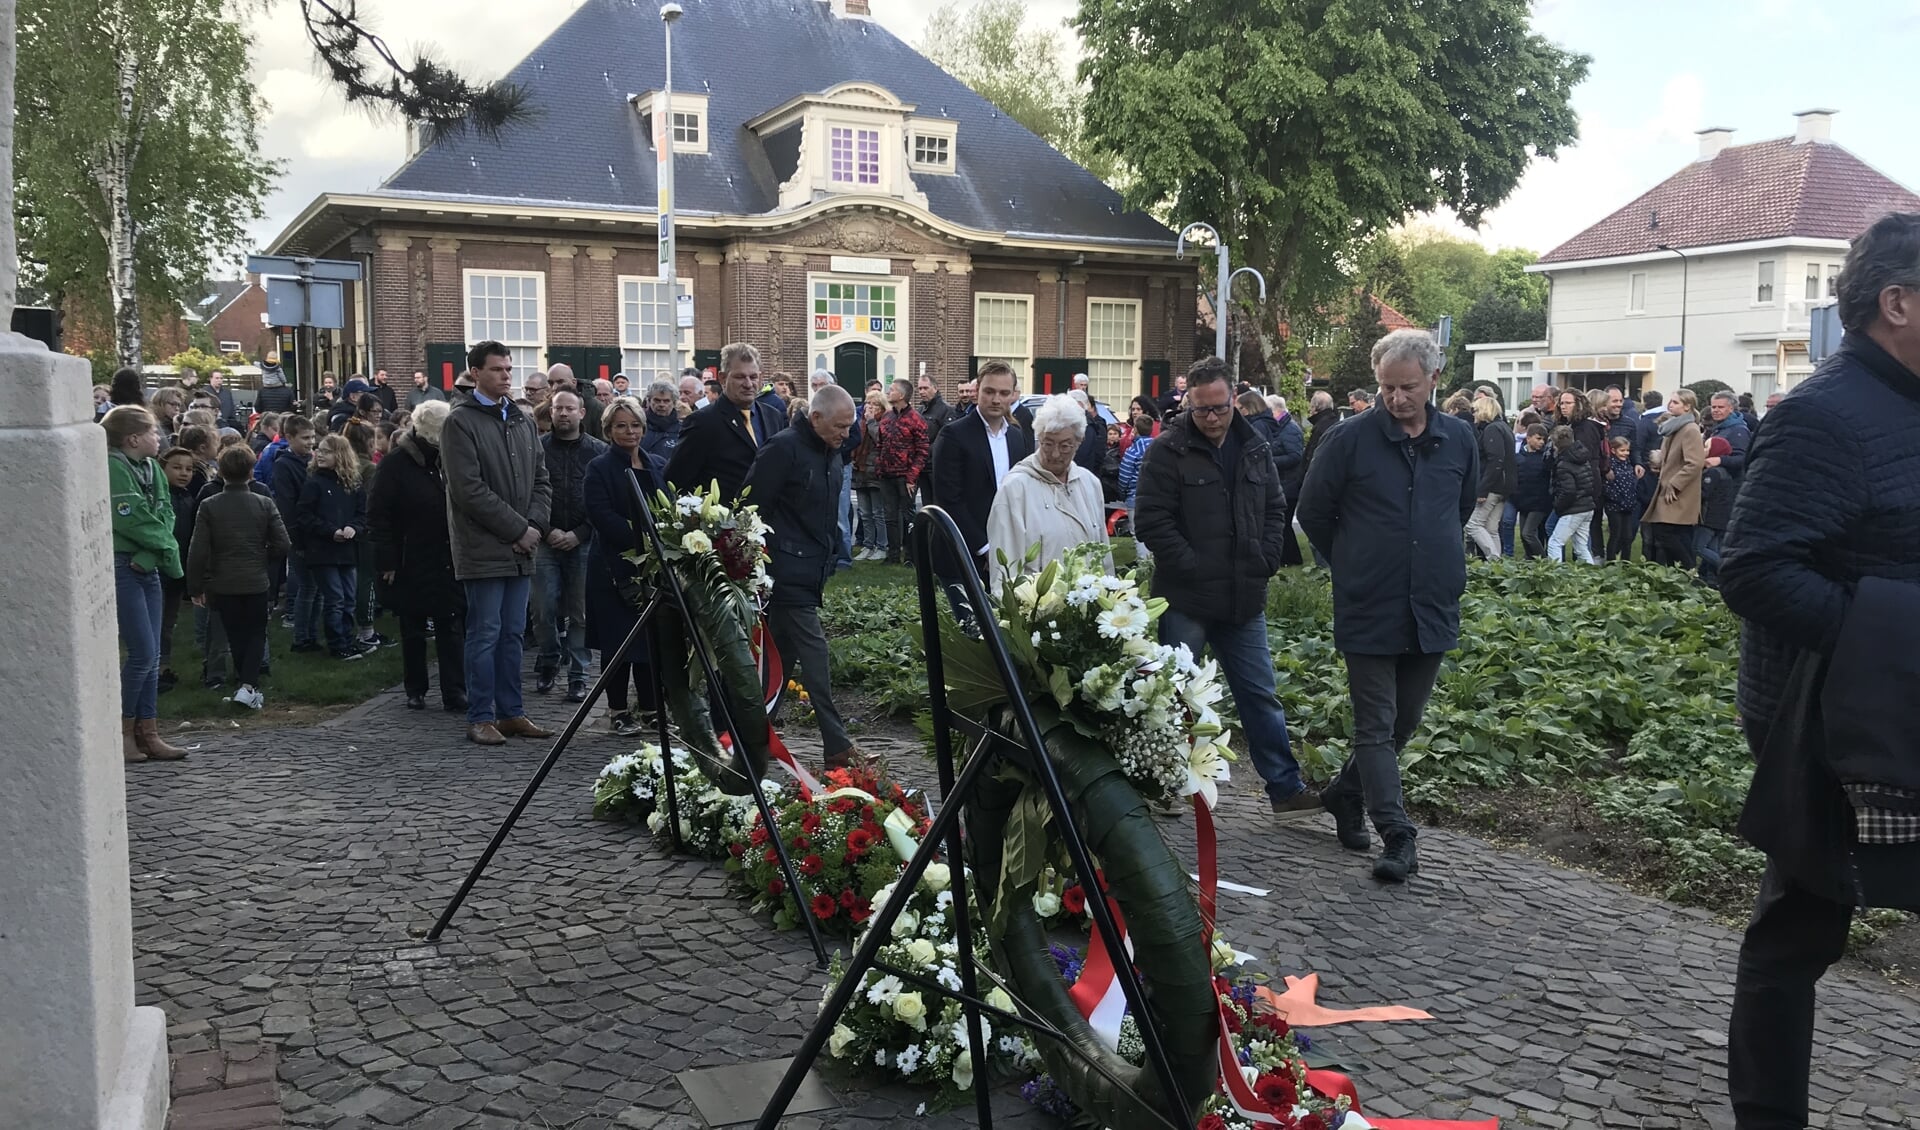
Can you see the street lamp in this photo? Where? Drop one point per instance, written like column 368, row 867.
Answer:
column 1223, row 284
column 1683, row 310
column 670, row 12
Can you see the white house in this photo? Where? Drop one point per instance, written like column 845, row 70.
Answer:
column 1709, row 274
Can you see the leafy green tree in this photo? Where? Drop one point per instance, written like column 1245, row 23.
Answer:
column 987, row 45
column 1496, row 316
column 1353, row 348
column 1301, row 127
column 1444, row 274
column 136, row 152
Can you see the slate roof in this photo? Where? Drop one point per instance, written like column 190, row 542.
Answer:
column 217, row 295
column 1765, row 190
column 750, row 56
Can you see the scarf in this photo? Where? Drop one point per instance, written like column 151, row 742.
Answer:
column 1674, row 423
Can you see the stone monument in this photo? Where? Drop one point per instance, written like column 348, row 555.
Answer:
column 75, row 1054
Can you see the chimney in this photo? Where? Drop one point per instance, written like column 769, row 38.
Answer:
column 1712, row 140
column 1813, row 125
column 858, row 9
column 417, row 138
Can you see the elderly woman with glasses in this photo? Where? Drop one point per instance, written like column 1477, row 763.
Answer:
column 1047, row 504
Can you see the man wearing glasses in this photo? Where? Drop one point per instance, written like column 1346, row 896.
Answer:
column 1211, row 509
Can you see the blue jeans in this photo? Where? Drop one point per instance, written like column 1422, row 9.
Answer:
column 846, row 515
column 1247, row 662
column 560, row 592
column 496, row 621
column 332, row 586
column 1509, row 521
column 136, row 596
column 305, row 595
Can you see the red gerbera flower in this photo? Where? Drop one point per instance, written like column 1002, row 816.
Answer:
column 858, row 842
column 842, row 805
column 1213, row 1122
column 848, row 898
column 824, row 906
column 1315, row 1121
column 772, row 856
column 1074, row 900
column 811, row 865
column 862, row 910
column 810, row 823
column 759, row 835
column 1277, row 1091
column 776, row 887
column 737, row 849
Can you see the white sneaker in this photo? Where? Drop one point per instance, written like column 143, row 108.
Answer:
column 865, row 554
column 250, row 697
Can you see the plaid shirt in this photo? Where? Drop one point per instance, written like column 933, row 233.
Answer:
column 1883, row 814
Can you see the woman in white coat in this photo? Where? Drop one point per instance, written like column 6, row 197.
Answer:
column 1047, row 500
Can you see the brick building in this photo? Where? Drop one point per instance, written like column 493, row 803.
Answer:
column 841, row 203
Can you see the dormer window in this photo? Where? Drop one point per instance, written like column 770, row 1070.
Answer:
column 689, row 119
column 931, row 151
column 855, row 155
column 930, row 145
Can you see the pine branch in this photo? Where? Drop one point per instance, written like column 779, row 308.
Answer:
column 368, row 73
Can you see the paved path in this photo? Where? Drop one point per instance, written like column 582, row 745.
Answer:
column 282, row 882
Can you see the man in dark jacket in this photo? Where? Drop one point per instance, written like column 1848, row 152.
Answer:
column 498, row 504
column 229, row 412
column 289, row 477
column 383, row 392
column 560, row 560
column 561, row 377
column 1386, row 502
column 423, row 390
column 1830, row 502
column 407, row 520
column 936, row 412
column 1725, row 422
column 718, row 442
column 795, row 481
column 1210, row 508
column 1289, row 445
column 663, row 421
column 974, row 453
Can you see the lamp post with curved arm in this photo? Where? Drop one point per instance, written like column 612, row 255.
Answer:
column 1223, row 282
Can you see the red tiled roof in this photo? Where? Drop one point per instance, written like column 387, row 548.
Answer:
column 1766, row 190
column 1391, row 319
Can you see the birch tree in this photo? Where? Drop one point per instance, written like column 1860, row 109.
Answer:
column 138, row 160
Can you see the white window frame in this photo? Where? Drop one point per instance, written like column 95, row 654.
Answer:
column 1815, row 287
column 1022, row 365
column 1100, row 384
column 929, row 140
column 230, row 347
column 641, row 369
column 1637, row 305
column 1766, row 282
column 1829, row 288
column 689, row 131
column 853, row 182
column 688, row 104
column 529, row 354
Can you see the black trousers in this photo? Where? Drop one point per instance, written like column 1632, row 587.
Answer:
column 1794, row 936
column 1530, row 539
column 449, row 646
column 897, row 503
column 1668, row 544
column 1619, row 535
column 245, row 621
column 1290, row 547
column 803, row 647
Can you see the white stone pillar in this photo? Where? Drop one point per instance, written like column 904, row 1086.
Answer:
column 75, row 1054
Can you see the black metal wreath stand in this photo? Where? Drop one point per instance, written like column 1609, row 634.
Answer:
column 670, row 598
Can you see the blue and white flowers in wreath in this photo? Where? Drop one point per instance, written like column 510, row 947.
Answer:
column 633, row 787
column 920, row 1037
column 1090, row 638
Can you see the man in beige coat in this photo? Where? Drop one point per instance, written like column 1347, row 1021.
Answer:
column 1666, row 535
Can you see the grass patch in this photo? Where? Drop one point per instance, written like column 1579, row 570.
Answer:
column 300, row 688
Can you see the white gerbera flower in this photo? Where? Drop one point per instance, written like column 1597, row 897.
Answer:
column 1127, row 619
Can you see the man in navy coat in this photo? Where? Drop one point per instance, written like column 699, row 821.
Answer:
column 718, row 442
column 973, row 454
column 1386, row 502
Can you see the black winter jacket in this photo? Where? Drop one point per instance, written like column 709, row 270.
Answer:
column 663, row 435
column 1289, row 445
column 1717, row 492
column 1497, row 472
column 327, row 505
column 795, row 481
column 567, row 470
column 274, row 398
column 1573, row 479
column 289, row 479
column 1739, row 437
column 1215, row 543
column 407, row 521
column 1389, row 514
column 236, row 536
column 1322, row 423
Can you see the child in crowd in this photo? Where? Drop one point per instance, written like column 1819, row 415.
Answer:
column 229, row 567
column 1623, row 496
column 332, row 513
column 1533, row 488
column 1572, row 498
column 179, row 466
column 1717, row 489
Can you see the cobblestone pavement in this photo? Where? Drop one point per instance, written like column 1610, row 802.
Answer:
column 283, row 880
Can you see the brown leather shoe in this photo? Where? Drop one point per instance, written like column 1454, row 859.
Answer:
column 485, row 734
column 521, row 727
column 130, row 743
column 146, row 732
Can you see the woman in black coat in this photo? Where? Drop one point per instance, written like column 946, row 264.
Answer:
column 613, row 582
column 1496, row 476
column 407, row 514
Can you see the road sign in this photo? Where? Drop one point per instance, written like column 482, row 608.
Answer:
column 683, row 311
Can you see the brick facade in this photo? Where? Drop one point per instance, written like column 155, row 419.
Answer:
column 757, row 290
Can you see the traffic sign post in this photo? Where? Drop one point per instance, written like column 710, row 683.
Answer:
column 308, row 294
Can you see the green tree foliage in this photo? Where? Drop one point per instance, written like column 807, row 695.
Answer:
column 1302, row 127
column 137, row 157
column 1352, row 351
column 987, row 45
column 1495, row 316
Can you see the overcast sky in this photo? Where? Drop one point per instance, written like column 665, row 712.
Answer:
column 1661, row 70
